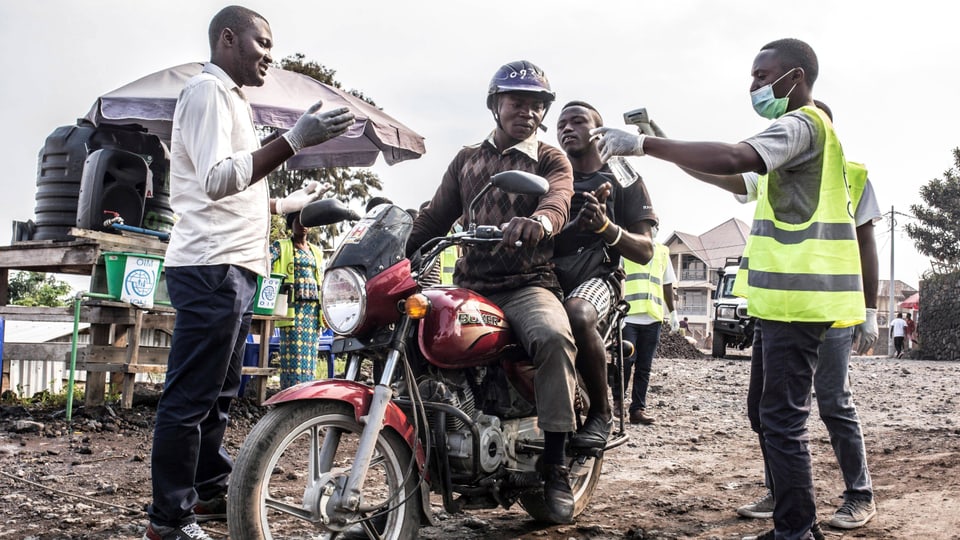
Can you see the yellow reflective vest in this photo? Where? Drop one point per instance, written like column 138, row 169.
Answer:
column 285, row 265
column 857, row 181
column 643, row 288
column 803, row 265
column 448, row 262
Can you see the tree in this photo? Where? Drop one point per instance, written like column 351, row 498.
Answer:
column 38, row 289
column 937, row 231
column 348, row 185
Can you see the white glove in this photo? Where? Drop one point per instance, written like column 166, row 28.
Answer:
column 313, row 128
column 657, row 132
column 674, row 322
column 867, row 332
column 295, row 201
column 615, row 142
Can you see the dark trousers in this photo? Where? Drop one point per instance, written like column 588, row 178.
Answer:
column 214, row 307
column 645, row 338
column 898, row 344
column 831, row 383
column 778, row 405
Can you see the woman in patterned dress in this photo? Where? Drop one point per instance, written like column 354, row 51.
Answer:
column 302, row 263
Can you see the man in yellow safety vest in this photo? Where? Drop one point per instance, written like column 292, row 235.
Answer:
column 804, row 263
column 648, row 289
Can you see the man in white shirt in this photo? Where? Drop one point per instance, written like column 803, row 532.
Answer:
column 217, row 249
column 898, row 329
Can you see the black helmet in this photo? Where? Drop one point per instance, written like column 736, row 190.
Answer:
column 519, row 76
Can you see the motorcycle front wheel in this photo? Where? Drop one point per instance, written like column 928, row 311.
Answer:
column 291, row 463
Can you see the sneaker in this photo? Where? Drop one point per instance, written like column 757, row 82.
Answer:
column 190, row 531
column 769, row 535
column 760, row 509
column 853, row 514
column 214, row 509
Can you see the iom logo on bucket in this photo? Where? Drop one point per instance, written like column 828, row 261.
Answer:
column 268, row 293
column 140, row 280
column 139, row 283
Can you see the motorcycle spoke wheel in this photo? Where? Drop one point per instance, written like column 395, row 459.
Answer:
column 294, row 458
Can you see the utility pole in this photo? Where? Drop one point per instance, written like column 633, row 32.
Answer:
column 890, row 287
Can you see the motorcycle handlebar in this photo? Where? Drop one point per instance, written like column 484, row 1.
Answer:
column 478, row 236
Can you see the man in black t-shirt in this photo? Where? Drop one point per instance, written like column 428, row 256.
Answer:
column 608, row 215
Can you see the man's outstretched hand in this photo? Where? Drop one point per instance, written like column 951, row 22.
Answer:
column 316, row 127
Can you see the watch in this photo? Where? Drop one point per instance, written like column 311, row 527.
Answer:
column 546, row 224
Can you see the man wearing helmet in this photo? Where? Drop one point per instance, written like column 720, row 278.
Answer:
column 517, row 273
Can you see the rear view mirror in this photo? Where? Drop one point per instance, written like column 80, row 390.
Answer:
column 326, row 212
column 520, row 182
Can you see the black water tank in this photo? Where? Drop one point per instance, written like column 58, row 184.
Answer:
column 114, row 183
column 60, row 170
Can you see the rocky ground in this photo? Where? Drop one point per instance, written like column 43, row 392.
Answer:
column 679, row 478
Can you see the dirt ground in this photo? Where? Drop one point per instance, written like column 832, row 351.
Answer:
column 679, row 478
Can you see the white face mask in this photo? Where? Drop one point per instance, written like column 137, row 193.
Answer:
column 766, row 104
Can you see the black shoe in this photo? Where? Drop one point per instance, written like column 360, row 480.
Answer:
column 557, row 493
column 769, row 535
column 214, row 509
column 593, row 435
column 617, row 408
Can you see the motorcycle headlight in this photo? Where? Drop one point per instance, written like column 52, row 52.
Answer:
column 343, row 299
column 726, row 312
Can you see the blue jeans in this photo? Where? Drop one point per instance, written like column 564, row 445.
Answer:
column 831, row 384
column 214, row 307
column 778, row 405
column 645, row 338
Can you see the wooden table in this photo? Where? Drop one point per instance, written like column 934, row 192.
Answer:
column 115, row 327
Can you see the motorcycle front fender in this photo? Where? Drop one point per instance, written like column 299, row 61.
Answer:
column 357, row 396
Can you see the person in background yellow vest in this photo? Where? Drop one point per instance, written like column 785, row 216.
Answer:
column 302, row 263
column 648, row 289
column 804, row 263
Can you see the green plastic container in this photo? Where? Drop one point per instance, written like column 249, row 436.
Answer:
column 139, row 283
column 267, row 291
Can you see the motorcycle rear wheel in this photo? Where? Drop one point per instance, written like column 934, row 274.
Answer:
column 583, row 481
column 276, row 488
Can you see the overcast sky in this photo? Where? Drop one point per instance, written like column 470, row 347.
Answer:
column 887, row 69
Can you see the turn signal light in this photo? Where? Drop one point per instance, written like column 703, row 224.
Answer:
column 417, row 306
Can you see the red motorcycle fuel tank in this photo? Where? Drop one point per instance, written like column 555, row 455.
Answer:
column 463, row 329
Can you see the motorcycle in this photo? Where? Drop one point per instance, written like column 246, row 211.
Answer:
column 437, row 396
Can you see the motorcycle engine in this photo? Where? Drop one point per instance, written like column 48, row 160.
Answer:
column 447, row 390
column 492, row 447
column 452, row 388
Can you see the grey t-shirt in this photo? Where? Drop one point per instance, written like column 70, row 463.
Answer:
column 792, row 151
column 867, row 210
column 789, row 143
